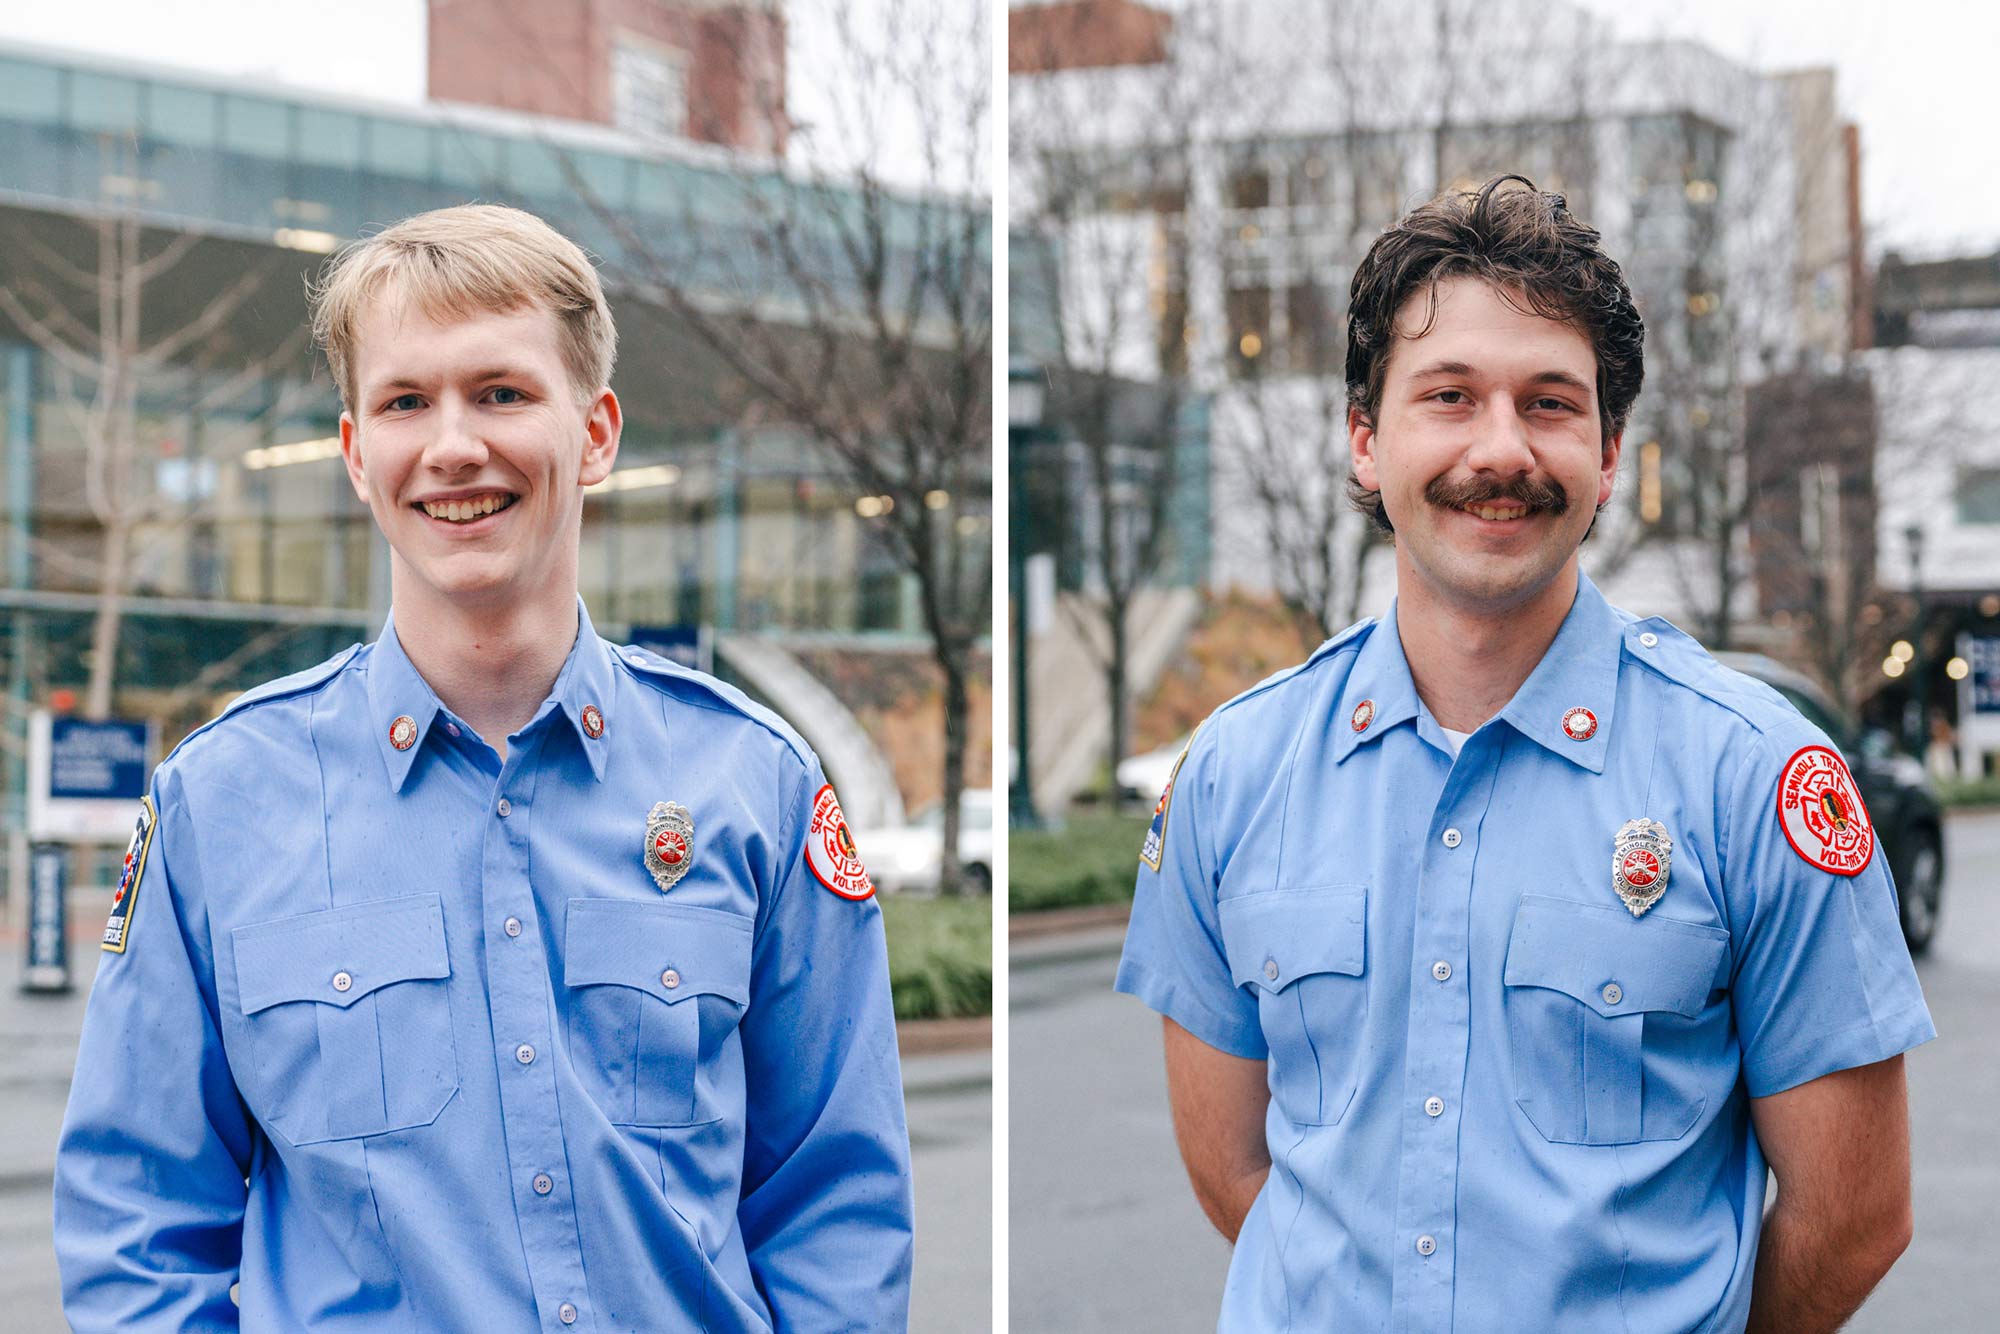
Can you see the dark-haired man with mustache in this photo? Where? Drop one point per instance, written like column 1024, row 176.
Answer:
column 1503, row 944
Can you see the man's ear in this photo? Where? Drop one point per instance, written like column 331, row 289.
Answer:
column 601, row 428
column 350, row 454
column 1361, row 448
column 1607, row 472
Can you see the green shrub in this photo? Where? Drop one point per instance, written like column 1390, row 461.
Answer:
column 1092, row 859
column 1969, row 792
column 940, row 956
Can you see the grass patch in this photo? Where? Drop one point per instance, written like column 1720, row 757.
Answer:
column 1091, row 859
column 940, row 955
column 1973, row 792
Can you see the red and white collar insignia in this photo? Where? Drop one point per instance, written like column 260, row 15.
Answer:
column 1579, row 724
column 1364, row 714
column 593, row 721
column 1820, row 810
column 403, row 732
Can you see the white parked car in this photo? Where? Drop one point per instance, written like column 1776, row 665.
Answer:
column 1144, row 777
column 908, row 857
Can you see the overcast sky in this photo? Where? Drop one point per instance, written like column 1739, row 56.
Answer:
column 1918, row 75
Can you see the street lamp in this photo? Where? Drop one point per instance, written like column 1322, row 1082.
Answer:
column 1027, row 394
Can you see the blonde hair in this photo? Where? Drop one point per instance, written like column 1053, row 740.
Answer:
column 454, row 262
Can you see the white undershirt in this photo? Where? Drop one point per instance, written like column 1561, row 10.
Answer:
column 1457, row 739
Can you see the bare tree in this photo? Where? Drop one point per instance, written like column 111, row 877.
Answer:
column 91, row 322
column 850, row 293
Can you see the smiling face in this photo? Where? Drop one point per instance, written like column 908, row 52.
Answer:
column 1487, row 449
column 472, row 447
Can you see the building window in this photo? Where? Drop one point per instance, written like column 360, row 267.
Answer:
column 648, row 89
column 1979, row 496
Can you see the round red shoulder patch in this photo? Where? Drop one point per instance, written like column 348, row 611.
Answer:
column 830, row 852
column 1821, row 812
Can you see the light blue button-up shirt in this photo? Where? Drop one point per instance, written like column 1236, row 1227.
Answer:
column 1500, row 1100
column 405, row 1038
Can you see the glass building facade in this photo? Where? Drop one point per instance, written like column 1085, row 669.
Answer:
column 249, row 555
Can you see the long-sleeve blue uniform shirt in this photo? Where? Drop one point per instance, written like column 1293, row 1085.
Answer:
column 401, row 1037
column 1500, row 1100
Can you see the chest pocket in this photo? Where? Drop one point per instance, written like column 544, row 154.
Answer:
column 1609, row 1020
column 346, row 1019
column 1303, row 953
column 655, row 993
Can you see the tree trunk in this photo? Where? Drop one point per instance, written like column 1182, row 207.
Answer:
column 1115, row 686
column 110, row 616
column 957, row 708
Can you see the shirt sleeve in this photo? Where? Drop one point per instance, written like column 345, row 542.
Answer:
column 1174, row 959
column 1821, row 979
column 826, row 1207
column 149, row 1179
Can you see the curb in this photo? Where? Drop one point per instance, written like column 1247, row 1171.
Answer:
column 1066, row 921
column 932, row 1037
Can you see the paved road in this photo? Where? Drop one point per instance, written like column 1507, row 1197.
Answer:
column 950, row 1113
column 1106, row 1235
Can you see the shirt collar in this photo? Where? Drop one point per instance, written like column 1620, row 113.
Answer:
column 1578, row 672
column 1566, row 703
column 404, row 708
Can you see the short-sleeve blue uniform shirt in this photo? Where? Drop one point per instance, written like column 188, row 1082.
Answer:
column 1500, row 1099
column 398, row 1037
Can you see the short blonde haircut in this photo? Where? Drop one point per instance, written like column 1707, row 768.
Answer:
column 456, row 262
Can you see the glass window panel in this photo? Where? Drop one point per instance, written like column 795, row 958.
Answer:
column 329, row 138
column 1979, row 496
column 103, row 102
column 606, row 176
column 30, row 91
column 256, row 125
column 184, row 116
column 469, row 159
column 535, row 168
column 400, row 147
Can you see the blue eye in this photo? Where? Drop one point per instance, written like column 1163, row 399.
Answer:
column 516, row 396
column 404, row 403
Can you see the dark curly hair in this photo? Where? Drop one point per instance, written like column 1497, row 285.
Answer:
column 1528, row 245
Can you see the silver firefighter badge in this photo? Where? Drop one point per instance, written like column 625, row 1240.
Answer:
column 669, row 843
column 1639, row 864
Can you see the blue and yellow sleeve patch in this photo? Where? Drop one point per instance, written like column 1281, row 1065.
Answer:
column 1156, row 833
column 118, row 930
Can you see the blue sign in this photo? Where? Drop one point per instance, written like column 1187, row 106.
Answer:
column 97, row 760
column 685, row 644
column 1985, row 656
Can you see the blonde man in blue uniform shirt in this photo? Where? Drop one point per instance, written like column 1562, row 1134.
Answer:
column 1504, row 943
column 487, row 977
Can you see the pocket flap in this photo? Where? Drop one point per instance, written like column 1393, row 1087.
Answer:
column 371, row 945
column 1580, row 949
column 628, row 943
column 1274, row 937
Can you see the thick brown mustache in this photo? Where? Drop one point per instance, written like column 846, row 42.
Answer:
column 1537, row 495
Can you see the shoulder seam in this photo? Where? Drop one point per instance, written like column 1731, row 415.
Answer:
column 313, row 679
column 1347, row 641
column 655, row 675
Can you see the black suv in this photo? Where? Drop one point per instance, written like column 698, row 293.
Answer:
column 1895, row 787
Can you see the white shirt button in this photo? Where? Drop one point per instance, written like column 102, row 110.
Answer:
column 524, row 1054
column 670, row 979
column 451, row 728
column 1452, row 838
column 1613, row 993
column 543, row 1185
column 566, row 1313
column 1433, row 1106
column 512, row 926
column 506, row 808
column 1441, row 971
column 1426, row 1244
column 1270, row 970
column 342, row 980
column 1649, row 640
